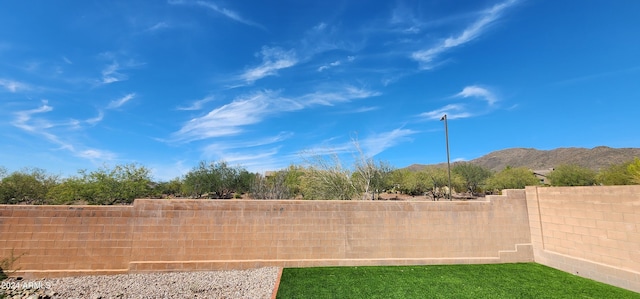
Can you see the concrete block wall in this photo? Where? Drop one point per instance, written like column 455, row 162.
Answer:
column 589, row 231
column 67, row 240
column 170, row 235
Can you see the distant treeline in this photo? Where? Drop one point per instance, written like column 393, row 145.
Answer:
column 323, row 178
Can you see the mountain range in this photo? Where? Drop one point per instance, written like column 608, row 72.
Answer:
column 595, row 158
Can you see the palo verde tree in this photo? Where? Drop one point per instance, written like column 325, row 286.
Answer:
column 634, row 170
column 473, row 175
column 119, row 184
column 616, row 174
column 172, row 188
column 69, row 191
column 29, row 185
column 572, row 175
column 430, row 181
column 512, row 178
column 216, row 180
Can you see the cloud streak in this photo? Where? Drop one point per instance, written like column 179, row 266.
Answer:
column 371, row 146
column 230, row 14
column 465, row 110
column 330, row 98
column 26, row 121
column 273, row 60
column 453, row 111
column 111, row 74
column 158, row 26
column 13, row 86
column 427, row 57
column 229, row 119
column 478, row 92
column 378, row 143
column 197, row 105
column 119, row 102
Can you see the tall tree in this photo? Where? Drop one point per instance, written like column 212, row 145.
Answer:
column 617, row 174
column 512, row 178
column 120, row 184
column 29, row 185
column 216, row 180
column 634, row 170
column 572, row 175
column 473, row 175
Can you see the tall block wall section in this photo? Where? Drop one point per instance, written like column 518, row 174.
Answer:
column 177, row 235
column 593, row 232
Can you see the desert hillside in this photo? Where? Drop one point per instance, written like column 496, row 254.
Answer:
column 595, row 158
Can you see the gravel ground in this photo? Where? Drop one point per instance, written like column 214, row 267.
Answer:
column 253, row 283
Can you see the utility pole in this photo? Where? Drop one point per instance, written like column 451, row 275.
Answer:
column 446, row 133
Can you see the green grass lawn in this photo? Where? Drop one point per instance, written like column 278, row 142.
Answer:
column 527, row 280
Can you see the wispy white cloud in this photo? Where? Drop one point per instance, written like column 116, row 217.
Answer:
column 335, row 63
column 326, row 37
column 330, row 65
column 403, row 18
column 477, row 91
column 13, row 86
column 111, row 74
column 426, row 57
column 453, row 111
column 258, row 155
column 23, row 118
column 221, row 148
column 27, row 121
column 197, row 105
column 371, row 145
column 228, row 13
column 330, row 98
column 119, row 102
column 96, row 155
column 365, row 109
column 95, row 120
column 273, row 59
column 378, row 143
column 465, row 110
column 66, row 60
column 229, row 119
column 157, row 26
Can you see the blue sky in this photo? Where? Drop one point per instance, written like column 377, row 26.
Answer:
column 260, row 84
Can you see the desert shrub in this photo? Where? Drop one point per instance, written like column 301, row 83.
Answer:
column 172, row 188
column 7, row 265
